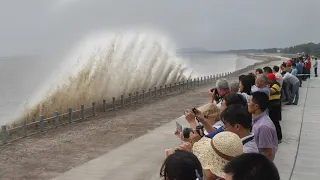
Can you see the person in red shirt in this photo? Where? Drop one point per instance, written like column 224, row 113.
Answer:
column 308, row 66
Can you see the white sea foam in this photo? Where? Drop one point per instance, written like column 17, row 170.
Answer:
column 106, row 65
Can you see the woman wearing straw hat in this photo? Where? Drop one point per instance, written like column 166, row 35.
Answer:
column 215, row 153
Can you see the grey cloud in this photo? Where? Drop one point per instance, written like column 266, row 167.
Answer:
column 36, row 26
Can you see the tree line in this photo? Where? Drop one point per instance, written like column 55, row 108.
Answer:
column 310, row 48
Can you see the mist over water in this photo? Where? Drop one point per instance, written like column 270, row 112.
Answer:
column 102, row 65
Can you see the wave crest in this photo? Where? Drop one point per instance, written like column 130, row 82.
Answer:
column 107, row 65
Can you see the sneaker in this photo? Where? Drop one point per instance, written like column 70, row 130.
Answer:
column 289, row 103
column 279, row 141
column 295, row 103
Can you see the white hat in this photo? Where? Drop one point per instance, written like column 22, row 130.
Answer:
column 216, row 153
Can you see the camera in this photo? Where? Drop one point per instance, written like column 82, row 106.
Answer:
column 187, row 131
column 217, row 97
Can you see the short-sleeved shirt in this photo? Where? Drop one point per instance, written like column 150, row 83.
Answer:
column 211, row 135
column 276, row 87
column 280, row 78
column 250, row 146
column 265, row 133
column 294, row 72
column 300, row 67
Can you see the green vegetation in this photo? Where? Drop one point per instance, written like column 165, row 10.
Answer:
column 310, row 48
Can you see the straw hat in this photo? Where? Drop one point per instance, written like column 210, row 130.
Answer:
column 216, row 153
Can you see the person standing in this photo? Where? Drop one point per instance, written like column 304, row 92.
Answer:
column 262, row 127
column 222, row 89
column 300, row 70
column 275, row 104
column 308, row 67
column 276, row 72
column 237, row 119
column 315, row 66
column 294, row 69
column 261, row 84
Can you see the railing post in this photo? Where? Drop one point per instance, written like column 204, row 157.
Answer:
column 24, row 129
column 155, row 92
column 179, row 85
column 194, row 82
column 104, row 104
column 160, row 90
column 170, row 87
column 150, row 93
column 198, row 81
column 130, row 99
column 4, row 137
column 70, row 115
column 137, row 97
column 143, row 95
column 183, row 84
column 187, row 84
column 82, row 111
column 114, row 103
column 122, row 101
column 56, row 119
column 165, row 89
column 41, row 123
column 94, row 109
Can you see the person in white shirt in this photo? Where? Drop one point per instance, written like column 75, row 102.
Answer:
column 315, row 66
column 294, row 93
column 276, row 71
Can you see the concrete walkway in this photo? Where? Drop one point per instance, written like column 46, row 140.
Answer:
column 298, row 156
column 141, row 158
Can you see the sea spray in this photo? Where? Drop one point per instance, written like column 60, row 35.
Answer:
column 106, row 65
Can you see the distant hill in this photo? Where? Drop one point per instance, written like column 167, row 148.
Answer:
column 311, row 48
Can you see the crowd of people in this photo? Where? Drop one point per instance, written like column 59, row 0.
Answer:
column 236, row 135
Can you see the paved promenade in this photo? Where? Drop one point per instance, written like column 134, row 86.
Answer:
column 298, row 156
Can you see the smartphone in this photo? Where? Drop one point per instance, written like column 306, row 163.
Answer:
column 179, row 127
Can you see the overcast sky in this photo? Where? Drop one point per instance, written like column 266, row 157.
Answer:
column 49, row 26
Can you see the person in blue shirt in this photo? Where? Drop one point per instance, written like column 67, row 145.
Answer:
column 294, row 69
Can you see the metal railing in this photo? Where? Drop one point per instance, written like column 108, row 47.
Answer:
column 43, row 124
